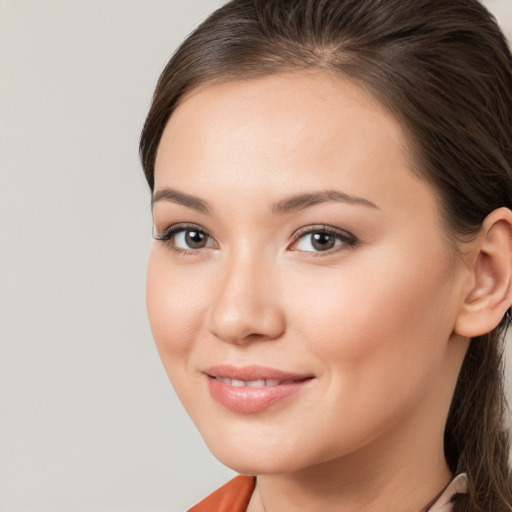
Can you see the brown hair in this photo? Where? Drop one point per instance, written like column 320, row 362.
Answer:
column 443, row 68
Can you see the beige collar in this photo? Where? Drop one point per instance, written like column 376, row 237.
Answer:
column 444, row 503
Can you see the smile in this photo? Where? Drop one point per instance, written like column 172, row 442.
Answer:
column 252, row 389
column 260, row 383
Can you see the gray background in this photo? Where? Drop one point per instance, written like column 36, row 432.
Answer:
column 88, row 421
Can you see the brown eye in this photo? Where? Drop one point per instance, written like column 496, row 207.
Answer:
column 195, row 239
column 186, row 238
column 322, row 241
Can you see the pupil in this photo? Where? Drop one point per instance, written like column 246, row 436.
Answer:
column 195, row 239
column 323, row 241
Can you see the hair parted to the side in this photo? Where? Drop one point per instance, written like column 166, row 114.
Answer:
column 444, row 70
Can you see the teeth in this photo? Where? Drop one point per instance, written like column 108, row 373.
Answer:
column 255, row 383
column 260, row 383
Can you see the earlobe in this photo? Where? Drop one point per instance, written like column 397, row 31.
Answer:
column 491, row 290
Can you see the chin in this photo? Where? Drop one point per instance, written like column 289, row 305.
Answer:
column 254, row 460
column 256, row 466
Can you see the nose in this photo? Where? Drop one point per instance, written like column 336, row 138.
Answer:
column 245, row 306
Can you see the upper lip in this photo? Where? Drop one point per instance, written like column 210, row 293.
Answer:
column 252, row 372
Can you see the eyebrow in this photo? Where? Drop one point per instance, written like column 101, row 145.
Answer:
column 303, row 201
column 288, row 205
column 174, row 196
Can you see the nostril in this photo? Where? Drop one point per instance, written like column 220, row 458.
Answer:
column 238, row 333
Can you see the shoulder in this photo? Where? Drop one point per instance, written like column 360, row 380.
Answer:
column 231, row 497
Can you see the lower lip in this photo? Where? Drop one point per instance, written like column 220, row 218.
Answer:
column 246, row 399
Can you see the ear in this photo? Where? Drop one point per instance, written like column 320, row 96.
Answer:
column 490, row 288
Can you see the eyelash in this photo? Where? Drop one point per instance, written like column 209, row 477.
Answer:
column 166, row 237
column 348, row 240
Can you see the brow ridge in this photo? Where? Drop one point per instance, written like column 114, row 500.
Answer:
column 294, row 203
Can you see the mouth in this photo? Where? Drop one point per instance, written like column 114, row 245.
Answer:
column 259, row 383
column 252, row 389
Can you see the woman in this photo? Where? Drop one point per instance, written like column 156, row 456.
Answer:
column 331, row 272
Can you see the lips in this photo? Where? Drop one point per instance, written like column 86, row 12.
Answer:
column 258, row 383
column 251, row 389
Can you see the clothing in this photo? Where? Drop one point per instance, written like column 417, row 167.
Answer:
column 458, row 485
column 231, row 497
column 236, row 494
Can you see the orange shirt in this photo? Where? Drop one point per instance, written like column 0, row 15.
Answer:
column 231, row 497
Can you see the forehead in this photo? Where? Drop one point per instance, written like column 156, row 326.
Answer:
column 288, row 133
column 314, row 107
column 297, row 98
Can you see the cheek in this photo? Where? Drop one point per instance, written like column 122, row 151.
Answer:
column 378, row 336
column 389, row 310
column 174, row 302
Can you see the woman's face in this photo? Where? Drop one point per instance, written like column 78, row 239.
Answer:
column 301, row 291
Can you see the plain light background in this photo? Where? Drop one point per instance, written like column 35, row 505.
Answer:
column 88, row 421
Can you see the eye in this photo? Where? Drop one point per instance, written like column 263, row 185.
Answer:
column 190, row 239
column 186, row 238
column 321, row 239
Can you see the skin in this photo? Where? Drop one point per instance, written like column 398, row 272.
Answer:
column 373, row 321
